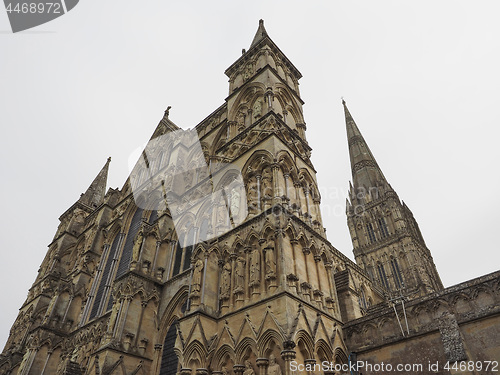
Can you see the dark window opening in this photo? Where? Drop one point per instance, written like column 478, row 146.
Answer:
column 371, row 233
column 169, row 360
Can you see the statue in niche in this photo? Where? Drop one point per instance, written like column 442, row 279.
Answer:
column 136, row 250
column 257, row 109
column 267, row 189
column 235, row 202
column 248, row 368
column 270, row 258
column 255, row 268
column 240, row 274
column 224, row 370
column 274, row 368
column 196, row 285
column 240, row 119
column 226, row 281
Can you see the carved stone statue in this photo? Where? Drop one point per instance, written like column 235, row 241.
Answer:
column 270, row 258
column 255, row 268
column 248, row 368
column 226, row 281
column 267, row 189
column 240, row 119
column 257, row 109
column 274, row 368
column 136, row 250
column 198, row 268
column 240, row 274
column 167, row 111
column 235, row 202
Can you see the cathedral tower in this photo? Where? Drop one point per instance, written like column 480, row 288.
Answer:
column 386, row 239
column 211, row 259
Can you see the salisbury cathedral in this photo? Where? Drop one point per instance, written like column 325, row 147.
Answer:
column 213, row 259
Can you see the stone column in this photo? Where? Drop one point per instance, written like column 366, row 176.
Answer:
column 172, row 251
column 204, row 280
column 259, row 204
column 158, row 243
column 298, row 201
column 144, row 304
column 306, row 193
column 294, row 243
column 310, row 363
column 275, row 168
column 238, row 369
column 123, row 315
column 286, row 176
column 49, row 353
column 306, row 251
column 279, row 255
column 288, row 355
column 262, row 363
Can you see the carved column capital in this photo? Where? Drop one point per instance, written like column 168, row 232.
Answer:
column 238, row 369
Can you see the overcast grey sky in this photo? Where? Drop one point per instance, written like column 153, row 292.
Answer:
column 420, row 78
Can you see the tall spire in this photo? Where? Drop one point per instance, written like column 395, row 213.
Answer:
column 94, row 195
column 365, row 170
column 260, row 34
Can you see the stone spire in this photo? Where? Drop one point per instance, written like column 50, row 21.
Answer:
column 365, row 171
column 94, row 195
column 260, row 34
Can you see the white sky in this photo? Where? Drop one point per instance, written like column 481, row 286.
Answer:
column 421, row 80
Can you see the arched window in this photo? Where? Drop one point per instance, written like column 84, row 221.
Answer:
column 362, row 298
column 382, row 276
column 129, row 243
column 383, row 227
column 169, row 360
column 371, row 233
column 104, row 276
column 398, row 279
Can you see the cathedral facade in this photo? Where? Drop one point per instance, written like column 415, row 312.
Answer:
column 213, row 259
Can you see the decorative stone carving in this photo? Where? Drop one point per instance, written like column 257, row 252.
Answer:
column 274, row 368
column 197, row 274
column 254, row 268
column 226, row 281
column 248, row 368
column 240, row 275
column 270, row 259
